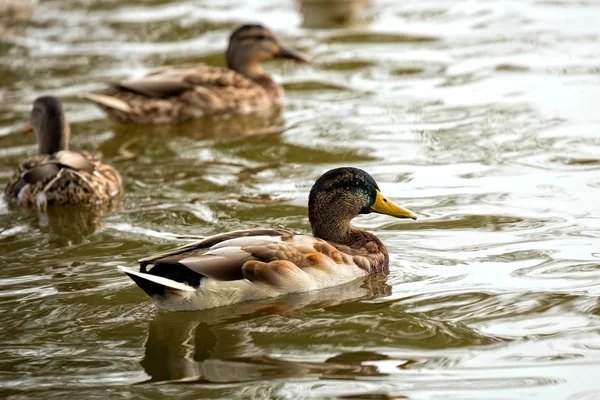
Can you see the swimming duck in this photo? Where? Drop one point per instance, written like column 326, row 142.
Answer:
column 177, row 94
column 57, row 175
column 14, row 11
column 261, row 263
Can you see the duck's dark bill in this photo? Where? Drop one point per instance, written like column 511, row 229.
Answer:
column 292, row 55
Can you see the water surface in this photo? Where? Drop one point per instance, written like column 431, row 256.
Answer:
column 482, row 117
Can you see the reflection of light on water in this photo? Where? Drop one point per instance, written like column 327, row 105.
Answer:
column 128, row 228
column 480, row 115
column 200, row 346
column 13, row 231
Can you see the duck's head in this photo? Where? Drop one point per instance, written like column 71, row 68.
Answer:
column 49, row 124
column 341, row 194
column 249, row 45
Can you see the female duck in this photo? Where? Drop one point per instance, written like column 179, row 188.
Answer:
column 15, row 11
column 177, row 94
column 57, row 175
column 261, row 263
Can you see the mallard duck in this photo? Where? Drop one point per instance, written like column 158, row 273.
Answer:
column 262, row 263
column 13, row 11
column 331, row 14
column 177, row 94
column 57, row 175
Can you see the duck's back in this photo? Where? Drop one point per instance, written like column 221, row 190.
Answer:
column 247, row 265
column 64, row 178
column 178, row 94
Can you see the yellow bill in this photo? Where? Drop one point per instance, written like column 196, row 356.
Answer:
column 385, row 206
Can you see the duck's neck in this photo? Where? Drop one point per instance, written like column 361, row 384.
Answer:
column 246, row 66
column 253, row 70
column 337, row 229
column 273, row 89
column 53, row 136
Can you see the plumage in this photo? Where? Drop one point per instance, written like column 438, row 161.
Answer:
column 261, row 263
column 57, row 175
column 177, row 94
column 15, row 11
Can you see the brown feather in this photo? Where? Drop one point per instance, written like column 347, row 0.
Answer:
column 258, row 255
column 203, row 245
column 40, row 173
column 273, row 273
column 178, row 94
column 154, row 87
column 75, row 160
column 56, row 175
column 216, row 267
column 95, row 183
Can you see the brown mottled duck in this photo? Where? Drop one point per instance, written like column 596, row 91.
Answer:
column 57, row 175
column 262, row 263
column 14, row 11
column 177, row 94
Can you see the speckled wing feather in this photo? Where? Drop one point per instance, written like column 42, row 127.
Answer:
column 267, row 256
column 39, row 173
column 179, row 94
column 250, row 265
column 66, row 177
column 76, row 160
column 203, row 245
column 153, row 87
column 219, row 257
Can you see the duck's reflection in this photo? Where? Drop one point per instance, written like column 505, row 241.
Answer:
column 71, row 225
column 320, row 14
column 129, row 140
column 213, row 346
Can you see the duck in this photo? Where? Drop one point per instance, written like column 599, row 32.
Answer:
column 176, row 94
column 15, row 11
column 57, row 176
column 258, row 264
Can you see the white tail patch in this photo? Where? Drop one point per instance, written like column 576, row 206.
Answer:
column 41, row 200
column 108, row 101
column 22, row 192
column 158, row 280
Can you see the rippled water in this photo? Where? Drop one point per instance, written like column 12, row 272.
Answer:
column 480, row 116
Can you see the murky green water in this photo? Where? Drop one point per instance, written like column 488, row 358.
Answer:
column 480, row 116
